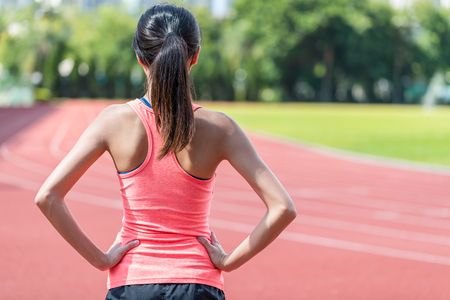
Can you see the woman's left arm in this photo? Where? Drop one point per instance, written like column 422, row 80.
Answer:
column 50, row 198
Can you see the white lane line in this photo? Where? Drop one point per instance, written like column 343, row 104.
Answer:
column 337, row 244
column 332, row 174
column 352, row 156
column 41, row 169
column 246, row 210
column 257, row 212
column 20, row 161
column 370, row 202
column 24, row 163
column 438, row 199
column 292, row 177
column 352, row 211
column 358, row 201
column 54, row 147
column 400, row 195
column 72, row 195
column 429, row 221
column 61, row 132
column 20, row 182
column 246, row 228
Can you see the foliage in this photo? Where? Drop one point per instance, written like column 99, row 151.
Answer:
column 333, row 45
column 212, row 75
column 295, row 50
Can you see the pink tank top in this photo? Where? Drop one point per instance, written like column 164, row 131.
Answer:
column 166, row 209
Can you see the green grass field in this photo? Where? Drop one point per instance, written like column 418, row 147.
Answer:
column 397, row 131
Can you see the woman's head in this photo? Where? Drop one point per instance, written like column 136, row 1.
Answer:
column 167, row 42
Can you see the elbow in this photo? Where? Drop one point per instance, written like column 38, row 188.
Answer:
column 101, row 267
column 43, row 200
column 287, row 211
column 290, row 213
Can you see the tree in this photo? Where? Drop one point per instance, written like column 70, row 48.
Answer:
column 280, row 28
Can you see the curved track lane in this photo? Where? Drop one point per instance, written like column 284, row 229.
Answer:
column 364, row 231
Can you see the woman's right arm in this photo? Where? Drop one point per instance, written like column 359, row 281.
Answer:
column 50, row 198
column 239, row 151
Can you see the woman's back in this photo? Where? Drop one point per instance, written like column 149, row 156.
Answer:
column 166, row 209
column 127, row 140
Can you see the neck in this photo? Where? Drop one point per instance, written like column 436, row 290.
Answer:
column 147, row 97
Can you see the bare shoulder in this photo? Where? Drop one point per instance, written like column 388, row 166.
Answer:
column 221, row 132
column 117, row 112
column 217, row 122
column 116, row 117
column 113, row 121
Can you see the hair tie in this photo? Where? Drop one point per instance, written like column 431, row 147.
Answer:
column 169, row 34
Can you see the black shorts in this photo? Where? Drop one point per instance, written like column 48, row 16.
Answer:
column 166, row 291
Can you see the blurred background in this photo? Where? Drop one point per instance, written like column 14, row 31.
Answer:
column 370, row 77
column 376, row 51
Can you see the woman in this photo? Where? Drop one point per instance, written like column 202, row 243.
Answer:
column 166, row 150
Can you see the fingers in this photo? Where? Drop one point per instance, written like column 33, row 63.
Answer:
column 124, row 249
column 214, row 239
column 116, row 252
column 214, row 249
column 130, row 245
column 204, row 242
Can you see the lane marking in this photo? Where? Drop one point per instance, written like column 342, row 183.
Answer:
column 23, row 162
column 339, row 198
column 246, row 228
column 302, row 238
column 303, row 219
column 72, row 195
column 338, row 244
column 37, row 168
column 20, row 182
column 353, row 212
column 61, row 132
column 310, row 174
column 317, row 207
column 70, row 117
column 352, row 156
column 45, row 170
column 256, row 212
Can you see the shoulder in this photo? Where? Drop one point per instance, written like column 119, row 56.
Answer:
column 222, row 132
column 117, row 112
column 216, row 121
column 116, row 116
column 113, row 120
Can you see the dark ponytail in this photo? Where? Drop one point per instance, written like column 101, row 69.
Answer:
column 167, row 37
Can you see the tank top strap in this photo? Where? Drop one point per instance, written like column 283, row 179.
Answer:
column 146, row 117
column 144, row 113
column 196, row 106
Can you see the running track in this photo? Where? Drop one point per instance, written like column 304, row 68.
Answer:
column 364, row 231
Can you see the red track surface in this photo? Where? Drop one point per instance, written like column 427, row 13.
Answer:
column 363, row 232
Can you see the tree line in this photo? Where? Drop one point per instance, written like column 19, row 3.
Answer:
column 272, row 50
